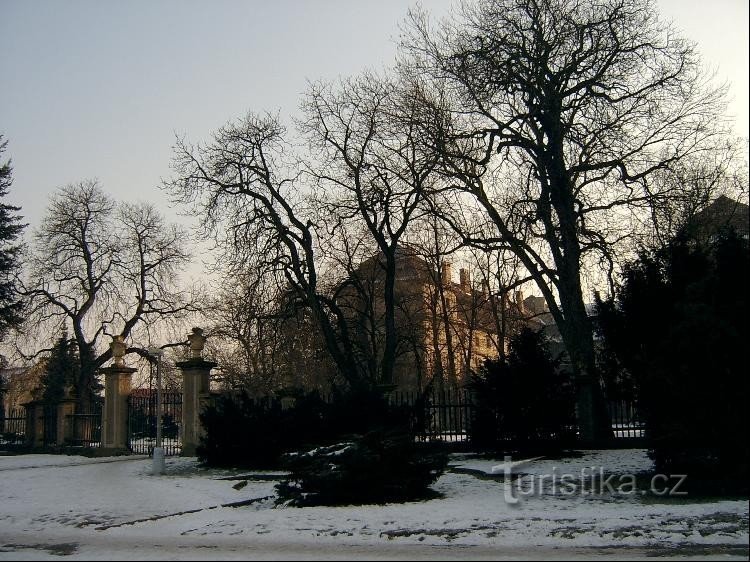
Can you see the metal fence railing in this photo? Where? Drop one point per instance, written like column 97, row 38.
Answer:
column 448, row 416
column 84, row 429
column 13, row 429
column 443, row 415
column 142, row 423
column 439, row 415
column 627, row 422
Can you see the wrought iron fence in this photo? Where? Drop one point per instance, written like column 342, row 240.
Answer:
column 142, row 423
column 627, row 422
column 448, row 415
column 84, row 429
column 443, row 415
column 13, row 429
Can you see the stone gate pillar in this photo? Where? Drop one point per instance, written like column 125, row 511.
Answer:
column 35, row 419
column 66, row 407
column 117, row 386
column 195, row 392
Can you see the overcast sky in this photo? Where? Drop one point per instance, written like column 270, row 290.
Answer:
column 98, row 89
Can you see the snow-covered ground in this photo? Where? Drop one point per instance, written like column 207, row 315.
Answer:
column 82, row 508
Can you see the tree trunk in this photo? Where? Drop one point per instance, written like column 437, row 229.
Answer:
column 391, row 337
column 575, row 325
column 577, row 334
column 447, row 325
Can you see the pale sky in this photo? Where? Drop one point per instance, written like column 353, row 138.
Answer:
column 98, row 89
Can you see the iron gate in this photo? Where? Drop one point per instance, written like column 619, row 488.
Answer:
column 84, row 428
column 142, row 422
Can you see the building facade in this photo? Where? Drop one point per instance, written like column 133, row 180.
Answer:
column 446, row 327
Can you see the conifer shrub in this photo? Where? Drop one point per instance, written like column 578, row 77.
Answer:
column 523, row 401
column 380, row 467
column 678, row 326
column 243, row 432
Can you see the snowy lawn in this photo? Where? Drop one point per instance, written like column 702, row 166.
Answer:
column 85, row 508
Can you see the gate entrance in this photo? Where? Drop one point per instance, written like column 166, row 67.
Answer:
column 142, row 422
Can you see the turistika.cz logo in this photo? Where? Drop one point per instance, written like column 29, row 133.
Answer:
column 590, row 480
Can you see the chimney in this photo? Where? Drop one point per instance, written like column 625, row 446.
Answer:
column 447, row 273
column 519, row 301
column 465, row 280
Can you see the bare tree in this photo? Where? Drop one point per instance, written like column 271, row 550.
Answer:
column 262, row 339
column 471, row 319
column 375, row 170
column 244, row 331
column 554, row 116
column 355, row 273
column 244, row 187
column 99, row 268
column 697, row 181
column 435, row 244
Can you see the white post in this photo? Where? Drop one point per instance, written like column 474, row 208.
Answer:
column 158, row 460
column 159, row 408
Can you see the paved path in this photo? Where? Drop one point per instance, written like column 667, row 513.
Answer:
column 124, row 548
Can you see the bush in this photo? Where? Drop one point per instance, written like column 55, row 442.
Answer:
column 523, row 401
column 248, row 433
column 382, row 466
column 242, row 432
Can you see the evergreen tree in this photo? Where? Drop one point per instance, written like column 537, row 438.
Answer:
column 62, row 370
column 524, row 399
column 678, row 326
column 10, row 230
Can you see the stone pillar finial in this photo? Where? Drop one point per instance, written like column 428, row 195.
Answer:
column 118, row 350
column 197, row 342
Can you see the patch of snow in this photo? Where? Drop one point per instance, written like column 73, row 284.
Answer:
column 15, row 462
column 100, row 510
column 330, row 451
column 618, row 461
